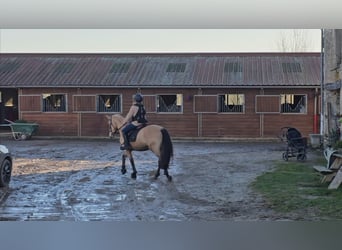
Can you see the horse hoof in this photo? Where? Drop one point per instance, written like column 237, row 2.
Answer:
column 123, row 171
column 169, row 178
column 134, row 176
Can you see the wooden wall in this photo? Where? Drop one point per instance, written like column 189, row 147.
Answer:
column 186, row 124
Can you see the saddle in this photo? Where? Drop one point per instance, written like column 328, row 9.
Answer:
column 132, row 135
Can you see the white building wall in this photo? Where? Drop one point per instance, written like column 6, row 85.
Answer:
column 332, row 84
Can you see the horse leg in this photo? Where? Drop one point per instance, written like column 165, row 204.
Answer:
column 166, row 172
column 123, row 166
column 157, row 173
column 169, row 177
column 134, row 173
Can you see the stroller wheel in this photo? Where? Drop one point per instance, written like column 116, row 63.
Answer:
column 285, row 156
column 301, row 157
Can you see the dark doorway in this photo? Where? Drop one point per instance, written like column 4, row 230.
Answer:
column 8, row 105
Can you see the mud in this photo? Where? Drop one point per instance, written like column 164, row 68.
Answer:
column 81, row 180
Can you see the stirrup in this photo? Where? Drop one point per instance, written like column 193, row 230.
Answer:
column 125, row 147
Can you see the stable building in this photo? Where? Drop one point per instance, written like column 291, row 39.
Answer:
column 193, row 95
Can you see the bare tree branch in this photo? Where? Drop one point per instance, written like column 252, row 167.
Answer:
column 295, row 41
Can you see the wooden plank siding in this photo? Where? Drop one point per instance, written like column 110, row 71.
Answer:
column 51, row 124
column 30, row 103
column 188, row 123
column 267, row 104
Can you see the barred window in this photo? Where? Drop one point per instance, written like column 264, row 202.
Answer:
column 231, row 103
column 108, row 103
column 291, row 103
column 54, row 103
column 170, row 103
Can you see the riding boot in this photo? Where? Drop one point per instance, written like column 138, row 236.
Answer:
column 126, row 144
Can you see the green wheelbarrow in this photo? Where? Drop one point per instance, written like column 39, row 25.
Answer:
column 22, row 130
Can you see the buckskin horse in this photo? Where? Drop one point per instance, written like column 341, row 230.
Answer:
column 150, row 137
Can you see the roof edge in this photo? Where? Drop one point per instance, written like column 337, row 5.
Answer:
column 164, row 54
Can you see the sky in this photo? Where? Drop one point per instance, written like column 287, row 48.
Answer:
column 112, row 26
column 150, row 40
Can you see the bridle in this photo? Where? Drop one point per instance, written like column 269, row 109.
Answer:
column 111, row 129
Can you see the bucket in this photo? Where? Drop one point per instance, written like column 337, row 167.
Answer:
column 315, row 140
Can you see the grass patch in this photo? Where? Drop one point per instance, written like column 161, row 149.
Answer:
column 296, row 186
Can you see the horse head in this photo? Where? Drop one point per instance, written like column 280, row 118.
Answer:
column 114, row 123
column 112, row 128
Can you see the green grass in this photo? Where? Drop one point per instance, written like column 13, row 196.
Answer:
column 294, row 186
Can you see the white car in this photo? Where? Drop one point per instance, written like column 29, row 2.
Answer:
column 6, row 162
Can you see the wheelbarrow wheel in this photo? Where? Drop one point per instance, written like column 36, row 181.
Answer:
column 285, row 156
column 24, row 136
column 5, row 173
column 17, row 136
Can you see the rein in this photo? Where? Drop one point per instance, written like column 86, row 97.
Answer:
column 122, row 125
column 111, row 127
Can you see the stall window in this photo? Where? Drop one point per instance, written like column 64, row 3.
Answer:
column 291, row 103
column 231, row 103
column 171, row 103
column 109, row 103
column 54, row 103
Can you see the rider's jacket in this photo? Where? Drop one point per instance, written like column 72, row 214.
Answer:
column 140, row 115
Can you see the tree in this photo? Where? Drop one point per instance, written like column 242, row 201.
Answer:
column 296, row 40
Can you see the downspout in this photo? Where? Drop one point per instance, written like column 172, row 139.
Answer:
column 315, row 113
column 199, row 117
column 79, row 117
column 20, row 92
column 322, row 122
column 261, row 117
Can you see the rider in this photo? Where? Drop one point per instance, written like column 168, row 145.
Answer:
column 134, row 118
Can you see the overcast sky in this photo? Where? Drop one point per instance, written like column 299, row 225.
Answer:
column 161, row 26
column 150, row 40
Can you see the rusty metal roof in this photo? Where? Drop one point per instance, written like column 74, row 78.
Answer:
column 160, row 70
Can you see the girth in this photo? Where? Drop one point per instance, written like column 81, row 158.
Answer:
column 132, row 135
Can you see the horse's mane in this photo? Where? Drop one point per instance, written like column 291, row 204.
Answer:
column 119, row 117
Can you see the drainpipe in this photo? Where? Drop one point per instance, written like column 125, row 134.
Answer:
column 315, row 125
column 322, row 122
column 199, row 118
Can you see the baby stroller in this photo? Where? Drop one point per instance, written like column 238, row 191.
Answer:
column 296, row 144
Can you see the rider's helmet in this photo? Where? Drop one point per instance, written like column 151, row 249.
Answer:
column 138, row 98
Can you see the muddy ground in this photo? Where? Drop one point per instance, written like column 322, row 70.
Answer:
column 81, row 180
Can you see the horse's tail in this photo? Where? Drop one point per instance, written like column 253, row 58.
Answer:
column 166, row 150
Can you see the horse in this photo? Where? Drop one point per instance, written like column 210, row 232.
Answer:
column 151, row 137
